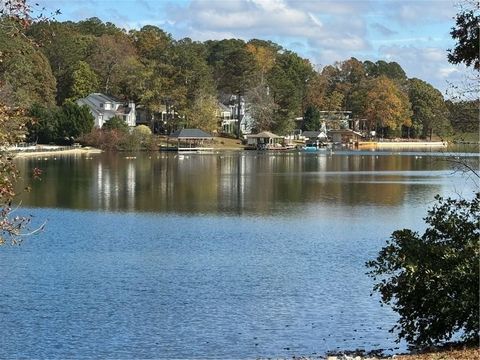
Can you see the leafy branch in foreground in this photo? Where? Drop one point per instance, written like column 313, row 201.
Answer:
column 15, row 18
column 432, row 281
column 12, row 127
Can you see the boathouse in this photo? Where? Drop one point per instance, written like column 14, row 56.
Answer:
column 264, row 140
column 190, row 139
column 345, row 136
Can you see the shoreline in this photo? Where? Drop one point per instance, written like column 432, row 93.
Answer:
column 46, row 150
column 453, row 353
column 403, row 144
column 448, row 353
column 53, row 152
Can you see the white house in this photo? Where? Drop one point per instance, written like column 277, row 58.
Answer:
column 104, row 107
column 228, row 114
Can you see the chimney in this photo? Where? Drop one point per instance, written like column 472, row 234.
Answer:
column 131, row 105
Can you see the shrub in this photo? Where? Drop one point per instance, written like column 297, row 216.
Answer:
column 103, row 139
column 142, row 130
column 432, row 280
column 131, row 142
column 116, row 123
column 142, row 134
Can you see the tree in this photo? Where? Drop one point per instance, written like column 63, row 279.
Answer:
column 387, row 106
column 84, row 81
column 64, row 48
column 115, row 123
column 432, row 280
column 94, row 26
column 59, row 125
column 43, row 127
column 24, row 70
column 107, row 55
column 466, row 34
column 192, row 77
column 261, row 108
column 151, row 42
column 467, row 50
column 463, row 115
column 316, row 91
column 12, row 129
column 288, row 83
column 334, row 101
column 429, row 110
column 74, row 120
column 15, row 18
column 203, row 114
column 357, row 99
column 391, row 70
column 234, row 67
column 311, row 119
column 352, row 71
column 264, row 55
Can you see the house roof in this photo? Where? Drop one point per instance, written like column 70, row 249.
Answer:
column 265, row 134
column 87, row 102
column 229, row 99
column 122, row 107
column 104, row 98
column 191, row 134
column 223, row 107
column 313, row 134
column 345, row 131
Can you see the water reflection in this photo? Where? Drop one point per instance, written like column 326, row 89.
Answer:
column 245, row 182
column 189, row 285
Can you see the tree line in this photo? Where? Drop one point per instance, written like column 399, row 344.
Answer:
column 55, row 63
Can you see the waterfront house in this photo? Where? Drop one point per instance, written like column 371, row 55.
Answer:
column 228, row 114
column 160, row 121
column 104, row 107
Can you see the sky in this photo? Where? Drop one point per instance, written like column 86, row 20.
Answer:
column 415, row 34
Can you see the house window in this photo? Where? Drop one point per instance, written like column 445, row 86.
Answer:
column 101, row 105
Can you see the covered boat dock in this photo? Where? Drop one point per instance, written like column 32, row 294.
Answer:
column 190, row 140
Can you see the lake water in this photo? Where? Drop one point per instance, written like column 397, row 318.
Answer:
column 214, row 256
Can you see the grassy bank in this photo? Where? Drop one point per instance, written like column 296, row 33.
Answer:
column 443, row 354
column 470, row 137
column 463, row 354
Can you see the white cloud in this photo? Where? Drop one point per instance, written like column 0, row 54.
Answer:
column 414, row 12
column 334, row 7
column 278, row 18
column 446, row 72
column 270, row 5
column 429, row 64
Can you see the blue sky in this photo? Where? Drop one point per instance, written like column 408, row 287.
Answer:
column 413, row 33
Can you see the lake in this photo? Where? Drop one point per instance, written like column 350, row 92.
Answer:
column 214, row 256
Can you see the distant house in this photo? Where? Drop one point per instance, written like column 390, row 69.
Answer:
column 161, row 121
column 340, row 119
column 264, row 140
column 228, row 115
column 314, row 138
column 105, row 107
